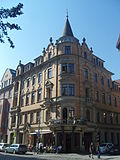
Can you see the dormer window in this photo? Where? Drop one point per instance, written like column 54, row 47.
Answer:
column 85, row 55
column 67, row 49
column 50, row 55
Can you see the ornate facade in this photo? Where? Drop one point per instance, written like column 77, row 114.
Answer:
column 65, row 97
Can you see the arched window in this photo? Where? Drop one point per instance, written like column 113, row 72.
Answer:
column 47, row 115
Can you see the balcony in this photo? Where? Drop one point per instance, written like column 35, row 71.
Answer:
column 15, row 109
column 70, row 121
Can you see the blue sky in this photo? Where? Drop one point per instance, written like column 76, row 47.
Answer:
column 97, row 21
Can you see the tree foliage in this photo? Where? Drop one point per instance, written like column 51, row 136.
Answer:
column 4, row 26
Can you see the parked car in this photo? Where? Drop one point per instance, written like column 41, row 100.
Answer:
column 105, row 147
column 3, row 146
column 16, row 148
column 115, row 150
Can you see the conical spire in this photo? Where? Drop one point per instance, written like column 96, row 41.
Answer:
column 67, row 29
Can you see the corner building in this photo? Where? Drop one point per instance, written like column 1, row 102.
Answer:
column 65, row 97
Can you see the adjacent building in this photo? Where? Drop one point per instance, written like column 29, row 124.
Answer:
column 118, row 43
column 66, row 97
column 5, row 102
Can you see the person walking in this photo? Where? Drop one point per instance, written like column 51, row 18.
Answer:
column 98, row 150
column 91, row 149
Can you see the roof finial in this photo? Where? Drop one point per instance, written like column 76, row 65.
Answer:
column 67, row 14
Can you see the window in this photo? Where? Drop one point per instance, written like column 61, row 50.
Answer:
column 23, row 84
column 9, row 81
column 20, row 119
column 98, row 117
column 6, row 83
column 33, row 98
column 22, row 101
column 40, row 78
column 108, row 83
column 33, row 80
column 95, row 77
column 106, row 135
column 105, row 117
column 31, row 118
column 64, row 67
column 27, row 99
column 116, row 118
column 102, row 80
column 25, row 118
column 87, row 93
column 111, row 118
column 37, row 117
column 109, row 100
column 86, row 73
column 47, row 115
column 50, row 73
column 103, row 98
column 39, row 95
column 68, row 68
column 64, row 90
column 67, row 49
column 71, row 90
column 15, row 101
column 71, row 112
column 50, row 55
column 115, row 101
column 28, row 82
column 88, row 115
column 71, row 68
column 10, row 93
column 85, row 55
column 97, row 96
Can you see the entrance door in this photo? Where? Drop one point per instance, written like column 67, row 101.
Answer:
column 87, row 140
column 68, row 143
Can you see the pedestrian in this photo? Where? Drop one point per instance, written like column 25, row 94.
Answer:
column 91, row 149
column 98, row 150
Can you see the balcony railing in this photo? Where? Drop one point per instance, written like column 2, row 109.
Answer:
column 70, row 121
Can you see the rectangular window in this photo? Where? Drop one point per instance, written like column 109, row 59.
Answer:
column 37, row 117
column 105, row 117
column 97, row 96
column 71, row 68
column 27, row 99
column 95, row 77
column 10, row 93
column 64, row 67
column 40, row 78
column 64, row 90
column 28, row 82
column 23, row 84
column 102, row 80
column 22, row 101
column 67, row 49
column 31, row 118
column 20, row 119
column 50, row 73
column 109, row 100
column 25, row 120
column 87, row 93
column 115, row 101
column 108, row 83
column 86, row 73
column 33, row 98
column 33, row 80
column 39, row 95
column 103, row 98
column 71, row 89
column 6, row 83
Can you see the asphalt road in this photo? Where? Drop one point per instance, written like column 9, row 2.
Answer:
column 49, row 156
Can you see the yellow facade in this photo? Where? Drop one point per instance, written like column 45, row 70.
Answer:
column 70, row 98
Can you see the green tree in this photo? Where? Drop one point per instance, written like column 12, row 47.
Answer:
column 4, row 26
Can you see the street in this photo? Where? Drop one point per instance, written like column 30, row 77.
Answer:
column 50, row 156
